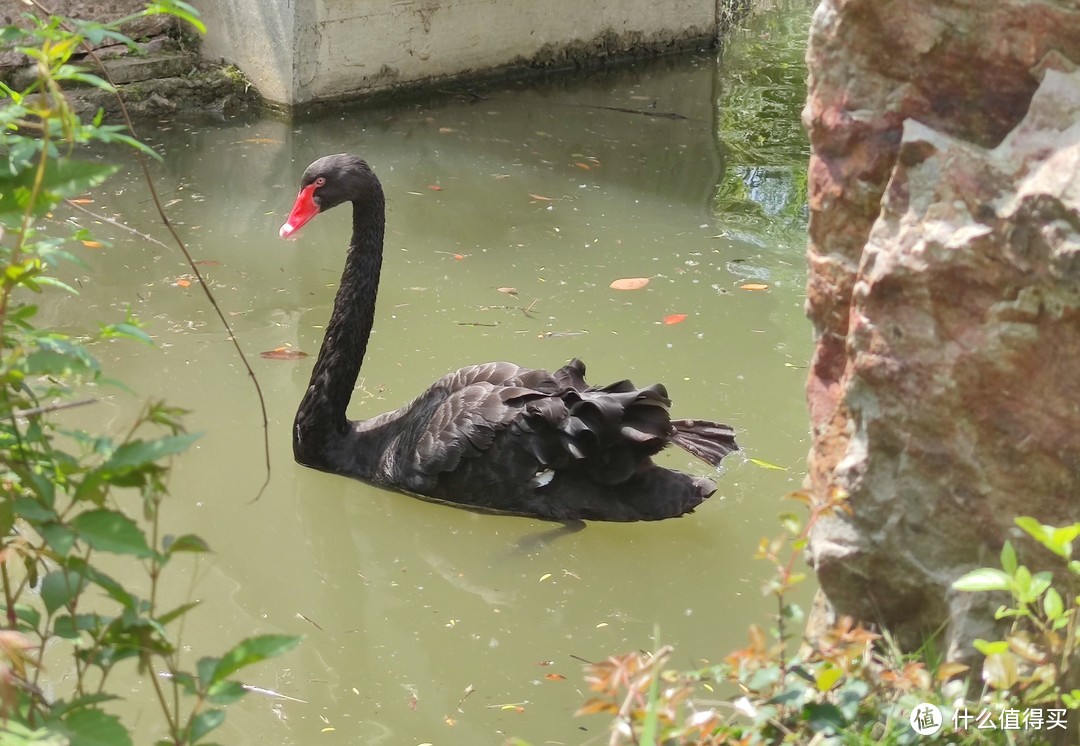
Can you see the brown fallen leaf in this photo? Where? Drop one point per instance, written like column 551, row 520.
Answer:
column 81, row 201
column 595, row 706
column 629, row 283
column 554, row 677
column 283, row 353
column 754, row 286
column 541, row 197
column 92, row 244
column 583, row 166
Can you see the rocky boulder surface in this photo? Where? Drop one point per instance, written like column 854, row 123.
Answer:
column 945, row 293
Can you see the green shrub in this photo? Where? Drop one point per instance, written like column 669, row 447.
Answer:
column 854, row 685
column 68, row 496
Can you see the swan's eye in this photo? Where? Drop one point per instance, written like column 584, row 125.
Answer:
column 320, row 181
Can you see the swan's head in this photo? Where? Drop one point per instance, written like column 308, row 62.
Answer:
column 326, row 183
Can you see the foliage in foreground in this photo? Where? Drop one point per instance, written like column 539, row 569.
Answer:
column 854, row 686
column 67, row 496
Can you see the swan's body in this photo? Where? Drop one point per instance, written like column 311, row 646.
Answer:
column 492, row 436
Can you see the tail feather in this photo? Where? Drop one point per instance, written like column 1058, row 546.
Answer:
column 709, row 441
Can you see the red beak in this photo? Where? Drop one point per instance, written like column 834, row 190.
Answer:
column 304, row 209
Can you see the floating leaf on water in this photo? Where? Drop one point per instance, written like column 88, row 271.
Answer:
column 583, row 166
column 754, row 286
column 544, row 577
column 207, row 263
column 596, row 706
column 262, row 141
column 541, row 197
column 554, row 677
column 766, row 465
column 446, row 130
column 544, row 663
column 434, row 187
column 328, row 730
column 629, row 283
column 507, row 290
column 92, row 244
column 601, row 625
column 81, row 201
column 459, row 257
column 283, row 353
column 182, row 283
column 675, row 318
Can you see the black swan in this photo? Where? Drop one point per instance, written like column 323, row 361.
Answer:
column 493, row 437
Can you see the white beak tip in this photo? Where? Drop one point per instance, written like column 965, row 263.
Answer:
column 286, row 230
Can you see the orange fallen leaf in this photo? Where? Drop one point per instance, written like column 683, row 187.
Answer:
column 554, row 677
column 754, row 286
column 596, row 706
column 434, row 187
column 459, row 257
column 81, row 201
column 182, row 283
column 508, row 291
column 541, row 197
column 283, row 353
column 583, row 166
column 92, row 244
column 629, row 283
column 675, row 318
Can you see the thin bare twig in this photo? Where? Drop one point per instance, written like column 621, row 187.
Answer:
column 46, row 408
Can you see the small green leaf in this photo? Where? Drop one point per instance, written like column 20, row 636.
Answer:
column 990, row 648
column 180, row 9
column 110, row 531
column 827, row 678
column 1039, row 583
column 176, row 613
column 1008, row 558
column 205, row 667
column 185, row 543
column 140, row 453
column 983, row 579
column 91, row 727
column 205, row 722
column 766, row 465
column 824, row 718
column 1057, row 540
column 252, row 650
column 225, row 692
column 1053, row 605
column 58, row 588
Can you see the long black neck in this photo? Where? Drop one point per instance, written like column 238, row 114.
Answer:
column 320, row 421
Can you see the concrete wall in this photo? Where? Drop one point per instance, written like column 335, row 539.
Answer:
column 300, row 51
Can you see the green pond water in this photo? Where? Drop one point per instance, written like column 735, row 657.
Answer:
column 547, row 187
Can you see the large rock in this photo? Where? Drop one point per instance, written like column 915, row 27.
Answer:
column 945, row 292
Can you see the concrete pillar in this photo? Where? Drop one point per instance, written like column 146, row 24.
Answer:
column 301, row 51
